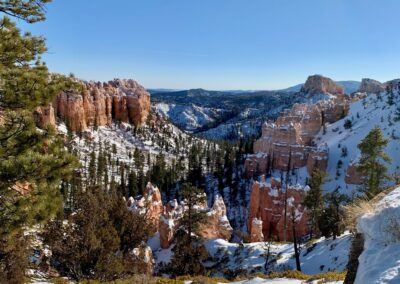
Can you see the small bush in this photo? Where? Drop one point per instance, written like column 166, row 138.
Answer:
column 355, row 210
column 294, row 274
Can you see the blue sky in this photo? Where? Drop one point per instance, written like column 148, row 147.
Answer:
column 223, row 44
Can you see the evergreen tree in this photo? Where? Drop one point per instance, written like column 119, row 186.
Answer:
column 189, row 253
column 32, row 162
column 132, row 184
column 97, row 241
column 330, row 221
column 372, row 162
column 314, row 200
column 92, row 169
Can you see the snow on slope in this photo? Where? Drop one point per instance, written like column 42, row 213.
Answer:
column 322, row 256
column 189, row 117
column 380, row 260
column 364, row 114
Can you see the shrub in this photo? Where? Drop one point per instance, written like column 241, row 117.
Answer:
column 355, row 210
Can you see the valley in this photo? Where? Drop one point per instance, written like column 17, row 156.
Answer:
column 249, row 179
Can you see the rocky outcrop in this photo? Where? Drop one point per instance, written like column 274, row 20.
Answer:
column 318, row 84
column 101, row 103
column 256, row 231
column 290, row 138
column 165, row 219
column 149, row 205
column 143, row 259
column 371, row 86
column 267, row 203
column 217, row 225
column 353, row 176
column 44, row 116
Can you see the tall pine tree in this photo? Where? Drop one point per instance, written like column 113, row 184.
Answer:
column 373, row 161
column 32, row 162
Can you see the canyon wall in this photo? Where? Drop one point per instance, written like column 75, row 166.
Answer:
column 101, row 103
column 165, row 219
column 289, row 139
column 267, row 211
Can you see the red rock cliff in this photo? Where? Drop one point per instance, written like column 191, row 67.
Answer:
column 100, row 103
column 267, row 206
column 318, row 84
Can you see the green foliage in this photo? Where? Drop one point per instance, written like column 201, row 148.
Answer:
column 314, row 200
column 189, row 253
column 373, row 161
column 30, row 11
column 97, row 240
column 32, row 162
column 330, row 221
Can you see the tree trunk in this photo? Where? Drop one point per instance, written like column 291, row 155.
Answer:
column 296, row 249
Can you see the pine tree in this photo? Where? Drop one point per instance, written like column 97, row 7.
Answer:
column 372, row 161
column 132, row 184
column 32, row 162
column 330, row 220
column 97, row 240
column 189, row 253
column 314, row 200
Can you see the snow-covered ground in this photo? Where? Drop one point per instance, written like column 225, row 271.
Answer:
column 189, row 117
column 380, row 260
column 322, row 255
column 364, row 114
column 258, row 280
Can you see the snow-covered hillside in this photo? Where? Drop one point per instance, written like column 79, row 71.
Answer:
column 380, row 260
column 364, row 115
column 226, row 115
column 320, row 256
column 189, row 117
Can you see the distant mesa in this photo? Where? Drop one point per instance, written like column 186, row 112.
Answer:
column 318, row 84
column 371, row 86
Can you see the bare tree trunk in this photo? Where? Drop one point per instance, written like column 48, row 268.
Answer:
column 286, row 193
column 296, row 248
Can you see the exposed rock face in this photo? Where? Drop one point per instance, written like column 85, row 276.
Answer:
column 371, row 86
column 165, row 219
column 144, row 254
column 290, row 138
column 217, row 224
column 44, row 116
column 100, row 103
column 353, row 176
column 267, row 203
column 168, row 222
column 150, row 204
column 256, row 233
column 318, row 84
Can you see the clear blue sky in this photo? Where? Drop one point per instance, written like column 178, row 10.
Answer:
column 223, row 44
